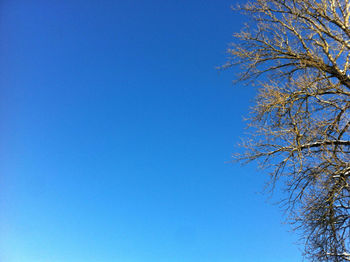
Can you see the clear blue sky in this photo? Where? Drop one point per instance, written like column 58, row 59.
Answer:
column 116, row 130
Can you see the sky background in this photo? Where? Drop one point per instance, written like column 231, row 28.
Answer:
column 116, row 135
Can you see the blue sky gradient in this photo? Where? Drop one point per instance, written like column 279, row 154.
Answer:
column 116, row 133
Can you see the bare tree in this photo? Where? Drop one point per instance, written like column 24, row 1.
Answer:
column 301, row 119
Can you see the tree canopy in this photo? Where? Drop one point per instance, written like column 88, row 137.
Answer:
column 298, row 51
